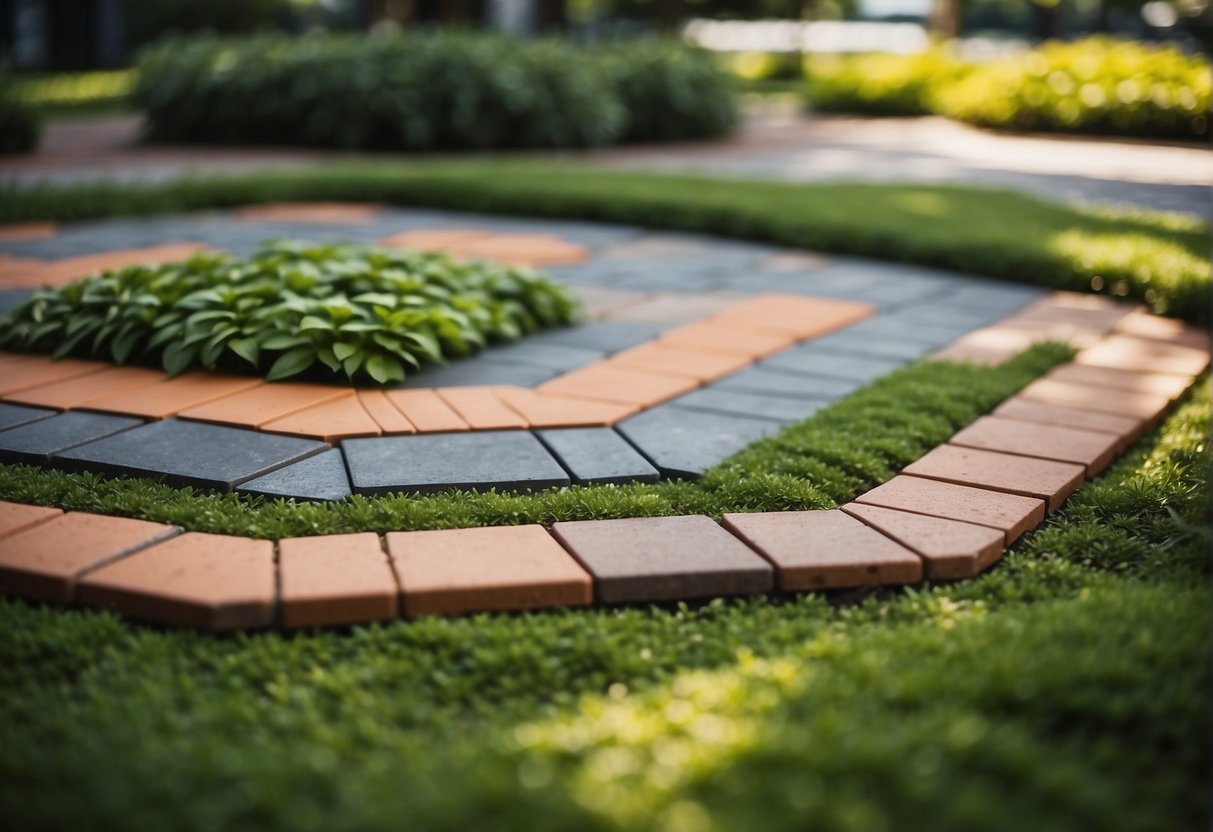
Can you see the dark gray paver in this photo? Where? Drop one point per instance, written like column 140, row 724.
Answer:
column 319, row 477
column 597, row 455
column 505, row 460
column 767, row 382
column 874, row 344
column 778, row 409
column 190, row 453
column 606, row 337
column 684, row 443
column 990, row 296
column 12, row 415
column 817, row 361
column 930, row 334
column 474, row 372
column 10, row 299
column 664, row 559
column 561, row 357
column 36, row 442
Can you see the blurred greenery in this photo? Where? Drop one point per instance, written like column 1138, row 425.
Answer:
column 74, row 92
column 20, row 124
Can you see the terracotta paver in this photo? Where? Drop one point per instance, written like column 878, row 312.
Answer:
column 170, row 396
column 1158, row 384
column 258, row 405
column 204, row 581
column 664, row 559
column 59, row 272
column 317, row 212
column 620, row 385
column 15, row 517
column 714, row 337
column 335, row 579
column 426, row 411
column 1051, row 481
column 527, row 250
column 482, row 408
column 487, row 569
column 1123, row 352
column 79, row 391
column 1145, row 325
column 825, row 550
column 796, row 315
column 330, row 421
column 1066, row 316
column 42, row 562
column 950, row 549
column 992, row 345
column 390, row 420
column 546, row 410
column 1145, row 406
column 20, row 232
column 700, row 365
column 1010, row 513
column 19, row 272
column 1127, row 428
column 1093, row 450
column 435, row 239
column 23, row 372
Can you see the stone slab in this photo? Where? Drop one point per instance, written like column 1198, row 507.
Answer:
column 43, row 562
column 35, row 443
column 13, row 415
column 1093, row 450
column 334, row 580
column 950, row 549
column 595, row 456
column 203, row 581
column 1048, row 480
column 685, row 443
column 825, row 550
column 494, row 568
column 315, row 478
column 664, row 559
column 190, row 453
column 504, row 460
column 1009, row 513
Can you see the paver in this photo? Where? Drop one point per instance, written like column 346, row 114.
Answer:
column 1010, row 513
column 619, row 385
column 716, row 337
column 330, row 421
column 204, row 581
column 873, row 344
column 556, row 357
column 813, row 360
column 527, row 250
column 825, row 550
column 426, row 410
column 43, row 562
column 494, row 568
column 673, row 308
column 597, row 455
column 70, row 269
column 479, row 371
column 606, row 337
column 22, row 372
column 685, row 363
column 334, row 580
column 189, row 453
column 37, row 442
column 768, row 382
column 1126, row 428
column 171, row 396
column 1157, row 384
column 1091, row 312
column 663, row 559
column 1123, row 352
column 319, row 477
column 386, row 415
column 317, row 212
column 1051, row 481
column 482, row 408
column 798, row 316
column 1093, row 450
column 782, row 410
column 1145, row 406
column 685, row 443
column 547, row 410
column 21, row 231
column 12, row 415
column 505, row 460
column 78, row 391
column 258, row 405
column 434, row 239
column 1141, row 324
column 15, row 516
column 950, row 549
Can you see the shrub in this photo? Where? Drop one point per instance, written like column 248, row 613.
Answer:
column 890, row 85
column 19, row 123
column 339, row 310
column 429, row 91
column 78, row 90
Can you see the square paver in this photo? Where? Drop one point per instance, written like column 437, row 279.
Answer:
column 453, row 571
column 321, row 477
column 664, row 559
column 1083, row 447
column 825, row 550
column 1051, row 481
column 598, row 455
column 505, row 460
column 190, row 453
column 1012, row 514
column 335, row 579
column 35, row 443
column 950, row 549
column 685, row 443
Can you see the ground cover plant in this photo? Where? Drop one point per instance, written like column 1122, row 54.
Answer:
column 348, row 312
column 1160, row 259
column 430, row 91
column 1065, row 689
column 1091, row 86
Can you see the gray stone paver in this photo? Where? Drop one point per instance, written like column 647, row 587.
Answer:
column 12, row 415
column 319, row 477
column 597, row 456
column 684, row 443
column 37, row 442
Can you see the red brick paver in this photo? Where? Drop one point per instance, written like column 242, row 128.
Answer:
column 334, row 580
column 715, row 337
column 547, row 410
column 330, row 421
column 15, row 517
column 482, row 408
column 1051, row 481
column 386, row 415
column 259, row 405
column 426, row 411
column 1157, row 384
column 323, row 213
column 170, row 396
column 619, row 385
column 673, row 360
column 79, row 391
column 795, row 315
column 1122, row 352
column 24, row 372
column 993, row 433
column 1126, row 428
column 950, row 549
column 1010, row 513
column 1145, row 406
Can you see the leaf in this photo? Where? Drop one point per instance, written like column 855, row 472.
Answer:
column 177, row 358
column 314, row 322
column 291, row 363
column 284, row 341
column 246, row 348
column 343, row 350
column 384, row 368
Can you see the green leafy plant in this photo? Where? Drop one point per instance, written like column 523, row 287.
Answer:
column 331, row 311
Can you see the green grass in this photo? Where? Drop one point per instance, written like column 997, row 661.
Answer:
column 1159, row 258
column 842, row 450
column 1065, row 689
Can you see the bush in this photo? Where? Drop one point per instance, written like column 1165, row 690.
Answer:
column 428, row 92
column 1092, row 86
column 78, row 90
column 19, row 123
column 332, row 310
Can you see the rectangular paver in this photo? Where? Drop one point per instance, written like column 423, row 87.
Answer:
column 1051, row 481
column 825, row 550
column 171, row 396
column 1158, row 384
column 78, row 391
column 482, row 408
column 14, row 415
column 1126, row 428
column 1145, row 406
column 1141, row 324
column 619, row 385
column 1010, row 513
column 331, row 421
column 779, row 409
column 35, row 443
column 493, row 568
column 664, row 559
column 684, row 443
column 426, row 411
column 335, row 579
column 796, row 315
column 1093, row 450
column 670, row 359
column 15, row 517
column 548, row 410
column 259, row 405
column 22, row 372
column 815, row 361
column 716, row 337
column 950, row 549
column 1123, row 352
column 597, row 455
column 386, row 415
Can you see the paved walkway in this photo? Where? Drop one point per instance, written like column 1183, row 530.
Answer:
column 776, row 142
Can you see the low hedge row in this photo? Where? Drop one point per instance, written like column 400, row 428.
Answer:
column 430, row 91
column 1090, row 86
